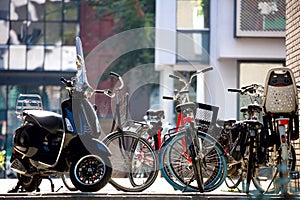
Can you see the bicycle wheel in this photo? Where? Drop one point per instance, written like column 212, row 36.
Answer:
column 166, row 173
column 249, row 164
column 180, row 165
column 264, row 179
column 195, row 149
column 234, row 176
column 134, row 162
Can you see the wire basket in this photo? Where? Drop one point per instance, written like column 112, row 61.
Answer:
column 205, row 116
column 123, row 109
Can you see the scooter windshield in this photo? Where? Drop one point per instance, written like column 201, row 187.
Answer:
column 84, row 114
column 81, row 82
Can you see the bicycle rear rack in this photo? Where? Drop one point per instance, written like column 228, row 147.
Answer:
column 28, row 102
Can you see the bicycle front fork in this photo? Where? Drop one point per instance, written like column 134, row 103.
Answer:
column 282, row 124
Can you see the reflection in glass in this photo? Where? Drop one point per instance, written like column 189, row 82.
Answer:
column 53, row 58
column 71, row 10
column 193, row 46
column 4, row 31
column 53, row 93
column 18, row 9
column 18, row 32
column 36, row 10
column 35, row 33
column 3, row 97
column 68, row 58
column 192, row 14
column 35, row 58
column 53, row 11
column 3, row 57
column 4, row 9
column 17, row 54
column 71, row 30
column 53, row 33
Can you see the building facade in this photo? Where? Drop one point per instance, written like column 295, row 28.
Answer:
column 240, row 39
column 37, row 48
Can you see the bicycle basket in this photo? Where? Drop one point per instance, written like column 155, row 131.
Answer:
column 280, row 91
column 28, row 102
column 205, row 115
column 123, row 110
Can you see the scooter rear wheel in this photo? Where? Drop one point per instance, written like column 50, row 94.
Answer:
column 29, row 183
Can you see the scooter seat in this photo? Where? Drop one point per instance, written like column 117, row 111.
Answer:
column 50, row 121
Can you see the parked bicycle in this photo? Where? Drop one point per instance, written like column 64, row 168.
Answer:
column 262, row 152
column 195, row 161
column 280, row 106
column 134, row 161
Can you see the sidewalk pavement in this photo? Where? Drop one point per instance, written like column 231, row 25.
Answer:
column 160, row 190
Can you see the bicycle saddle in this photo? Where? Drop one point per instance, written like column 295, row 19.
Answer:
column 255, row 107
column 155, row 113
column 184, row 106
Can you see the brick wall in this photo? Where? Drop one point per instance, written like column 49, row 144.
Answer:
column 293, row 36
column 293, row 58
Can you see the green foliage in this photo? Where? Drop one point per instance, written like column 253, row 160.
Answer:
column 128, row 14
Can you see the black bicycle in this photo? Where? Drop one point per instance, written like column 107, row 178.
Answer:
column 134, row 161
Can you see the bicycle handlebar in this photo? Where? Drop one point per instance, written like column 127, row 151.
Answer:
column 249, row 89
column 184, row 89
column 168, row 98
column 120, row 79
column 107, row 92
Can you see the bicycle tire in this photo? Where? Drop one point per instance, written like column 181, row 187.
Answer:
column 176, row 179
column 197, row 166
column 165, row 172
column 134, row 169
column 267, row 173
column 249, row 165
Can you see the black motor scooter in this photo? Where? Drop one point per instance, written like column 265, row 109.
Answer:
column 48, row 144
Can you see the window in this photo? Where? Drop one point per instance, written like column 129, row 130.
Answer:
column 40, row 33
column 253, row 72
column 193, row 31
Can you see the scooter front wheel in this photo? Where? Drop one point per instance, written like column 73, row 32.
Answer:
column 91, row 173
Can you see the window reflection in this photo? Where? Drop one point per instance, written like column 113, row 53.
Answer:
column 3, row 57
column 35, row 34
column 71, row 10
column 53, row 33
column 53, row 58
column 18, row 10
column 68, row 58
column 70, row 32
column 53, row 10
column 192, row 14
column 3, row 97
column 192, row 46
column 36, row 52
column 4, row 31
column 46, row 24
column 36, row 10
column 19, row 53
column 4, row 8
column 52, row 92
